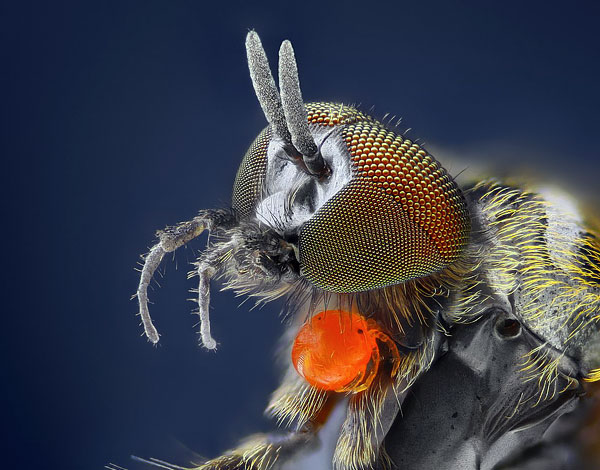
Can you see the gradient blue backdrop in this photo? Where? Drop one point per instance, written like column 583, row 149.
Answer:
column 119, row 117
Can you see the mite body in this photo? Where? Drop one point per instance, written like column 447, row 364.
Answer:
column 382, row 258
column 340, row 351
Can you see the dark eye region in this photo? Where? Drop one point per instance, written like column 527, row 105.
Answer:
column 507, row 327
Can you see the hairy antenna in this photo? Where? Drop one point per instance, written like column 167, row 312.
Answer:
column 295, row 111
column 285, row 113
column 264, row 86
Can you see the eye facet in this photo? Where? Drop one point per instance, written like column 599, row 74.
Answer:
column 399, row 218
column 393, row 214
column 248, row 185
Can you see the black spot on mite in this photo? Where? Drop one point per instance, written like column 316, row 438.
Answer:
column 359, row 331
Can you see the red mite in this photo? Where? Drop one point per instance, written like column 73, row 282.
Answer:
column 338, row 351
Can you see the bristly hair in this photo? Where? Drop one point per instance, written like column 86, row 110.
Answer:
column 538, row 253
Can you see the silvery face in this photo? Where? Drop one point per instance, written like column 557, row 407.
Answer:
column 291, row 196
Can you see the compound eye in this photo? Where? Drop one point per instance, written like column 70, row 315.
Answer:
column 401, row 217
column 248, row 185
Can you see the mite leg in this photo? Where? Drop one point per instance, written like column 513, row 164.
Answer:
column 170, row 239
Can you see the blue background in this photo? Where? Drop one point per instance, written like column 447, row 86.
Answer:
column 120, row 117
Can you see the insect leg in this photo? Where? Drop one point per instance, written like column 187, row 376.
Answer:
column 294, row 401
column 207, row 267
column 372, row 412
column 151, row 262
column 267, row 451
column 262, row 451
column 170, row 239
column 369, row 417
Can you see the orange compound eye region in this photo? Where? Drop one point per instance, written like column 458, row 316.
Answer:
column 337, row 351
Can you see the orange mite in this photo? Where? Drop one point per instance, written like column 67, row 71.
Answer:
column 338, row 351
